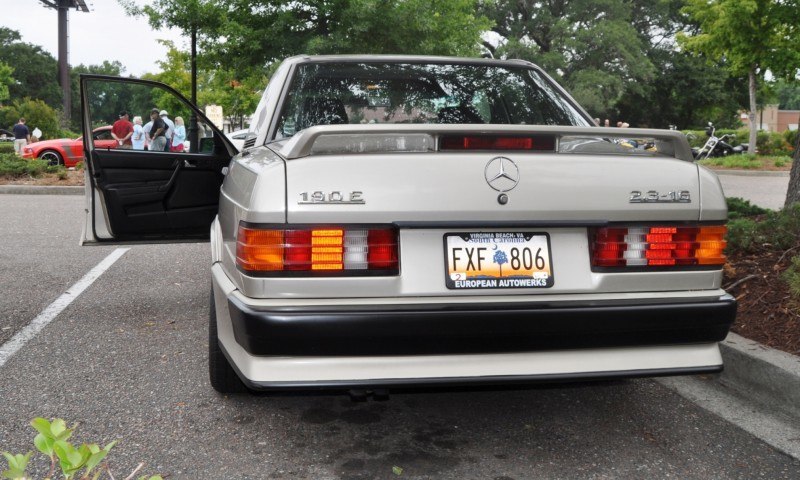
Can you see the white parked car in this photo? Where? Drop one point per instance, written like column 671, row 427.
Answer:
column 407, row 220
column 238, row 138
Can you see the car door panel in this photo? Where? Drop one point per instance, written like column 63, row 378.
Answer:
column 148, row 195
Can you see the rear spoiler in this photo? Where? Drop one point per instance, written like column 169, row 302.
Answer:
column 374, row 138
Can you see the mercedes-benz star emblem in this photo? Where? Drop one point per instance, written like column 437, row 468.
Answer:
column 502, row 174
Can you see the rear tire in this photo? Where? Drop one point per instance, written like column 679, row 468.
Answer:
column 52, row 158
column 222, row 376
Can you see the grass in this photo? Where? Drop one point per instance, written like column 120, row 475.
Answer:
column 748, row 162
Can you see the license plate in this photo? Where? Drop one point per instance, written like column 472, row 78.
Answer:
column 486, row 260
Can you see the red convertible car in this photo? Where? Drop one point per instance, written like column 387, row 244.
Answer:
column 67, row 151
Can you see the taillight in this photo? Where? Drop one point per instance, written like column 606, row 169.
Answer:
column 542, row 143
column 660, row 246
column 323, row 250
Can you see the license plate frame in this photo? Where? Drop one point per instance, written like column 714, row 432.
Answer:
column 532, row 266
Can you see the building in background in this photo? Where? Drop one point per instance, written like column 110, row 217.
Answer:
column 772, row 119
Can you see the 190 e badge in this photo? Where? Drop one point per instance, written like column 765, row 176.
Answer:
column 331, row 198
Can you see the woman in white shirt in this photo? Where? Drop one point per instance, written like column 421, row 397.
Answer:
column 138, row 137
column 178, row 135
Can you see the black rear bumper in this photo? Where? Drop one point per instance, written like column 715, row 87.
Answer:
column 439, row 329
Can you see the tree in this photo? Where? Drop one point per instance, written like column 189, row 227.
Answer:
column 114, row 68
column 258, row 33
column 237, row 92
column 750, row 36
column 788, row 94
column 37, row 114
column 35, row 70
column 6, row 80
column 689, row 92
column 593, row 47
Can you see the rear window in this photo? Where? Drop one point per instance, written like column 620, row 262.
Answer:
column 360, row 93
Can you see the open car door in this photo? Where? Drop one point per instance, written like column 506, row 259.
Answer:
column 149, row 193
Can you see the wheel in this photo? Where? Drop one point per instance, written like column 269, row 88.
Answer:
column 222, row 376
column 52, row 157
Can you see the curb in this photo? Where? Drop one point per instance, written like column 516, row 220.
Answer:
column 751, row 173
column 40, row 190
column 769, row 376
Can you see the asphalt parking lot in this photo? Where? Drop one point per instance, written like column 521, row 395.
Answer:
column 767, row 190
column 127, row 360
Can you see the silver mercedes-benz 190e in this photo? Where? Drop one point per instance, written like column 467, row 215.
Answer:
column 399, row 220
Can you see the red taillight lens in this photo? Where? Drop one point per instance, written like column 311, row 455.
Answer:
column 329, row 249
column 658, row 246
column 542, row 143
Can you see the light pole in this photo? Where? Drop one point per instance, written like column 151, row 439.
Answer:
column 63, row 7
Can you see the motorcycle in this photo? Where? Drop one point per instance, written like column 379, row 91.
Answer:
column 717, row 146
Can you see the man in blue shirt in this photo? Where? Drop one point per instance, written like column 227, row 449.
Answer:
column 22, row 136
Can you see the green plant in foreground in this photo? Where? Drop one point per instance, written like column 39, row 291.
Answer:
column 777, row 231
column 739, row 207
column 792, row 277
column 75, row 462
column 17, row 464
column 14, row 166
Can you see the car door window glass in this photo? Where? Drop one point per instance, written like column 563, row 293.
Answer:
column 135, row 109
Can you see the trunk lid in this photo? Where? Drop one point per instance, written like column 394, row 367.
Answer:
column 586, row 179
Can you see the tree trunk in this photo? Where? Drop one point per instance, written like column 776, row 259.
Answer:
column 793, row 193
column 752, row 116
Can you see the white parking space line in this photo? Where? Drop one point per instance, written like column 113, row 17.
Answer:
column 48, row 314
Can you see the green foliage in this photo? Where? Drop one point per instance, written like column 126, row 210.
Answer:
column 37, row 114
column 745, row 161
column 6, row 80
column 35, row 70
column 6, row 147
column 776, row 231
column 782, row 161
column 751, row 37
column 418, row 27
column 594, row 47
column 749, row 34
column 17, row 464
column 768, row 143
column 15, row 167
column 79, row 462
column 259, row 32
column 114, row 69
column 772, row 143
column 688, row 92
column 787, row 94
column 790, row 136
column 792, row 277
column 237, row 93
column 739, row 208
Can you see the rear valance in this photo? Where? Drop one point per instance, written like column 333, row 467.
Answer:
column 410, row 138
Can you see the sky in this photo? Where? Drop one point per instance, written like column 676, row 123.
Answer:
column 94, row 36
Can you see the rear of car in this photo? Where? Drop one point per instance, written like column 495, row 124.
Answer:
column 449, row 221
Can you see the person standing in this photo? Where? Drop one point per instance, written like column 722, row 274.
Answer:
column 122, row 130
column 22, row 136
column 170, row 129
column 138, row 137
column 147, row 127
column 158, row 139
column 178, row 136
